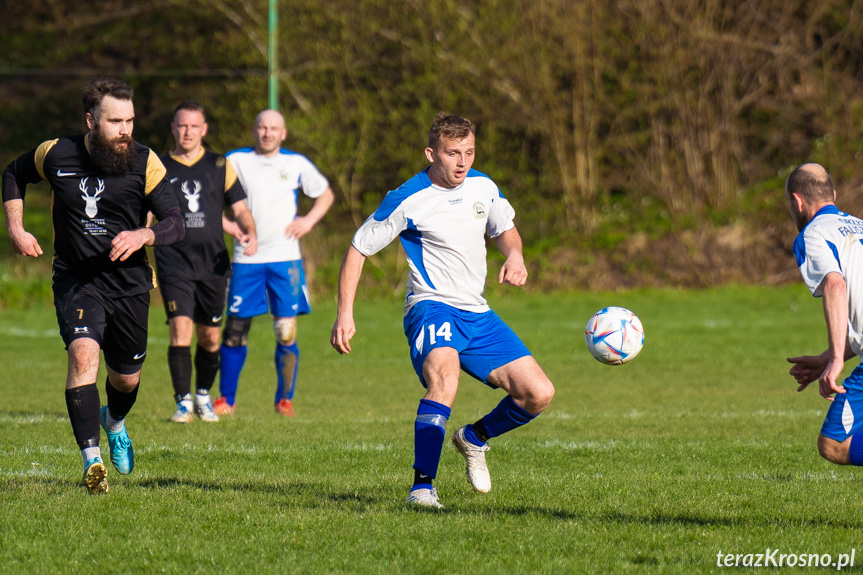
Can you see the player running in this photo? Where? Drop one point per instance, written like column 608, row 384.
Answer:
column 103, row 184
column 193, row 273
column 441, row 216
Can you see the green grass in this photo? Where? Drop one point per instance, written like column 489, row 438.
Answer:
column 700, row 445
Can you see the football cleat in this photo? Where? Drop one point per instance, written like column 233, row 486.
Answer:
column 285, row 408
column 120, row 446
column 477, row 470
column 222, row 407
column 95, row 476
column 183, row 414
column 204, row 410
column 424, row 497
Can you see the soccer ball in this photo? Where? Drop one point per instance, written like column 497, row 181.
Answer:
column 614, row 335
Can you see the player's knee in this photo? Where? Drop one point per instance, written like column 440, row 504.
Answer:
column 537, row 397
column 832, row 450
column 285, row 330
column 124, row 383
column 542, row 395
column 236, row 331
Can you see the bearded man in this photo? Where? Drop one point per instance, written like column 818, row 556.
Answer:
column 103, row 185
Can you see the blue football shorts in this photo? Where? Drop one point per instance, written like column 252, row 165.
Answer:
column 281, row 284
column 483, row 341
column 845, row 416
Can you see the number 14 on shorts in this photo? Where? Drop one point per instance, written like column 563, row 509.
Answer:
column 444, row 332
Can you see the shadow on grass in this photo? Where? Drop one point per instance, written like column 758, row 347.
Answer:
column 669, row 519
column 364, row 498
column 307, row 491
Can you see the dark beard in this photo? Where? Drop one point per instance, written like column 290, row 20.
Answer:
column 108, row 157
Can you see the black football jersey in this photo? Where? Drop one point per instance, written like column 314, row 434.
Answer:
column 203, row 189
column 90, row 207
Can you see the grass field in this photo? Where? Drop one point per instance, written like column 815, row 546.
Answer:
column 700, row 445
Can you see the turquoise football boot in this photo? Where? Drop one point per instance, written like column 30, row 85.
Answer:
column 120, row 446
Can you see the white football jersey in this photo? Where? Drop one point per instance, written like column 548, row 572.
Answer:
column 831, row 242
column 272, row 185
column 443, row 234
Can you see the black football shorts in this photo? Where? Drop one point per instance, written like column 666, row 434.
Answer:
column 201, row 300
column 119, row 325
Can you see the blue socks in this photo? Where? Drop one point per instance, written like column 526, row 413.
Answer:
column 429, row 432
column 855, row 450
column 232, row 360
column 505, row 417
column 287, row 362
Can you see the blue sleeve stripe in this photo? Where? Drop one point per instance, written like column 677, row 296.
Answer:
column 835, row 251
column 800, row 250
column 240, row 150
column 394, row 198
column 412, row 243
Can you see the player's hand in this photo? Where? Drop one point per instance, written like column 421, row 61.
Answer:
column 298, row 228
column 513, row 272
column 250, row 244
column 343, row 330
column 232, row 228
column 807, row 368
column 25, row 244
column 827, row 383
column 126, row 243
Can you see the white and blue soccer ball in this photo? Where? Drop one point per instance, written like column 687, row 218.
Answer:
column 614, row 335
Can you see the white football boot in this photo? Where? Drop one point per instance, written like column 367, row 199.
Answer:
column 477, row 470
column 204, row 408
column 424, row 498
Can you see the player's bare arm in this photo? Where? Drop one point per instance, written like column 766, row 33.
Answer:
column 23, row 242
column 513, row 270
column 304, row 224
column 836, row 314
column 246, row 226
column 231, row 227
column 349, row 278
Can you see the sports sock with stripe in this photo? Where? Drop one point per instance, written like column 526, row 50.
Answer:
column 287, row 360
column 429, row 432
column 232, row 360
column 505, row 417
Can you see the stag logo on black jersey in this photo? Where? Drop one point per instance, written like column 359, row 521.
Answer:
column 192, row 197
column 91, row 209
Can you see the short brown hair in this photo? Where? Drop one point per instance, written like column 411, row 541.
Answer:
column 449, row 128
column 96, row 90
column 812, row 183
column 191, row 106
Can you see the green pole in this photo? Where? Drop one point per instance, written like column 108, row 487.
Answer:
column 273, row 65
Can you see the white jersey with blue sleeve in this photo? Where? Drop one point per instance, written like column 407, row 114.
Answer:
column 272, row 185
column 443, row 232
column 833, row 242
